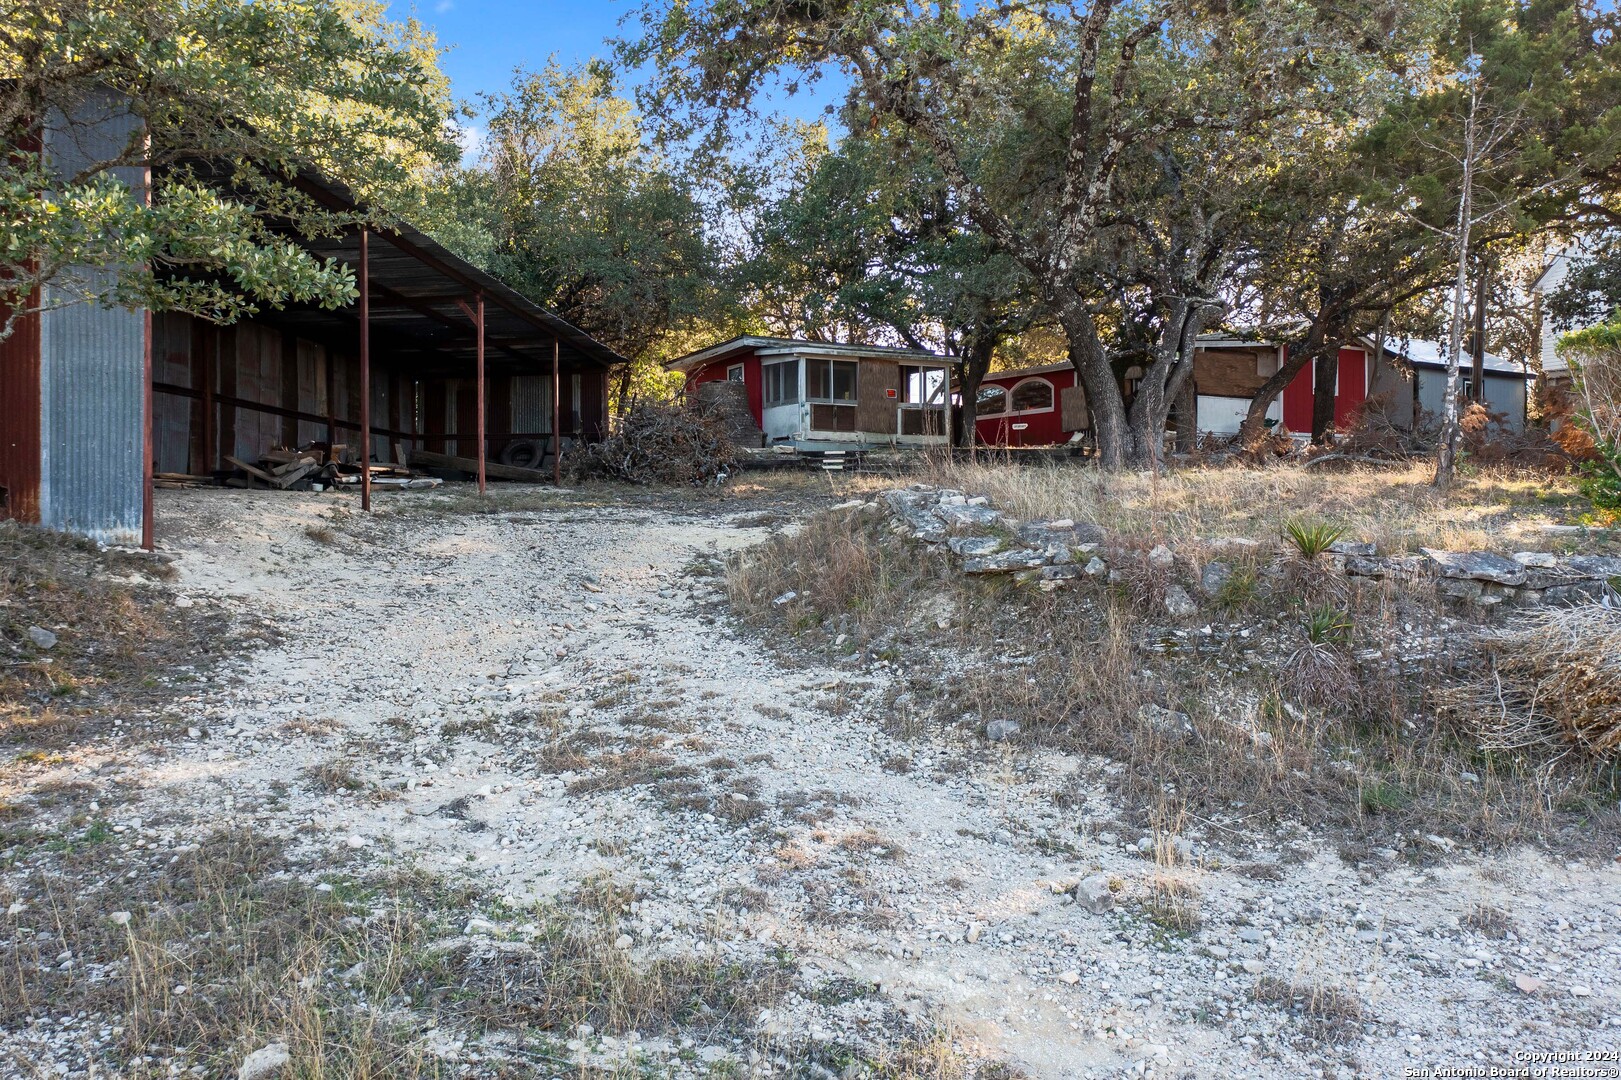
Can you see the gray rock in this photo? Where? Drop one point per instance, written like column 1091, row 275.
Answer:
column 1001, row 730
column 41, row 637
column 1096, row 567
column 1601, row 567
column 1461, row 589
column 1215, row 578
column 1064, row 572
column 1161, row 557
column 786, row 598
column 1006, row 562
column 1093, row 894
column 1065, row 532
column 1354, row 547
column 1166, row 721
column 974, row 546
column 265, row 1062
column 1178, row 602
column 1580, row 592
column 969, row 517
column 1476, row 566
column 1542, row 560
column 1251, row 935
column 1362, row 566
column 915, row 511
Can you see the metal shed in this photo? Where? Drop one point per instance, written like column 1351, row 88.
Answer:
column 436, row 355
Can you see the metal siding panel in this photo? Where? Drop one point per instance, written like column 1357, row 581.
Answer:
column 92, row 410
column 92, row 361
column 532, row 404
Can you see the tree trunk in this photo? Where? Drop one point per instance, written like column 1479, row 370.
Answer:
column 1294, row 362
column 1322, row 397
column 1477, row 346
column 1446, row 461
column 1186, row 411
column 1116, row 449
column 978, row 348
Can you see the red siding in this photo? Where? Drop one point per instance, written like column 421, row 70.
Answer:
column 1353, row 388
column 1351, row 392
column 19, row 418
column 1028, row 428
column 752, row 381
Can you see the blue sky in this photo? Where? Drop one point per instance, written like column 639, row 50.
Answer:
column 488, row 39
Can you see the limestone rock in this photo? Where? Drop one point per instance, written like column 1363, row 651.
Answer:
column 1178, row 602
column 41, row 637
column 1006, row 562
column 1476, row 566
column 1215, row 578
column 1094, row 894
column 265, row 1062
column 974, row 546
column 1001, row 730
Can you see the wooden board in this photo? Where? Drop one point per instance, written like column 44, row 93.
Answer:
column 425, row 459
column 252, row 470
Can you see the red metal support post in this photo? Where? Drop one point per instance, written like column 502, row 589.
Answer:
column 148, row 447
column 147, row 539
column 365, row 370
column 483, row 441
column 557, row 418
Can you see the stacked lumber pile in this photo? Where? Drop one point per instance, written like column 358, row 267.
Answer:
column 318, row 467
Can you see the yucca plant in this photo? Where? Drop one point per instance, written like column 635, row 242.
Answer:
column 1312, row 538
column 1328, row 625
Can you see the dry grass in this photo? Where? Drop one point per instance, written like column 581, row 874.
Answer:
column 1302, row 721
column 1394, row 508
column 1329, row 1013
column 118, row 638
column 1555, row 678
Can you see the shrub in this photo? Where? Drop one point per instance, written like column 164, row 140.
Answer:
column 1555, row 677
column 1594, row 356
column 1311, row 538
column 662, row 442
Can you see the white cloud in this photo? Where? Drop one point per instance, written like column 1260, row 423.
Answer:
column 471, row 139
column 444, row 6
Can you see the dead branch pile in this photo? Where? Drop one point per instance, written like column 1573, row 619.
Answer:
column 1554, row 677
column 664, row 442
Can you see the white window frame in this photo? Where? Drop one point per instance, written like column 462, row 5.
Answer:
column 1052, row 392
column 794, row 384
column 736, row 373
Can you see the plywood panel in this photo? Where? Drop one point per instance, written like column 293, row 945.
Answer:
column 875, row 409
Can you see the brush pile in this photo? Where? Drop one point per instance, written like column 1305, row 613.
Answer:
column 1554, row 677
column 664, row 442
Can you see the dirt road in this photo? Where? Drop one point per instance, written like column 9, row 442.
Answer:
column 552, row 693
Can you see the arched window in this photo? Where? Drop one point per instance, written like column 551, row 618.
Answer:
column 990, row 400
column 1032, row 395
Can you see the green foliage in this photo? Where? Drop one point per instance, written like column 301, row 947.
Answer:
column 570, row 206
column 1328, row 625
column 261, row 89
column 1312, row 538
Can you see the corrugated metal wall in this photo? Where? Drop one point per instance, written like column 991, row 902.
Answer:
column 92, row 364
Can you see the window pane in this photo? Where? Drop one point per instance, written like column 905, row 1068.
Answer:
column 844, row 381
column 991, row 399
column 1034, row 394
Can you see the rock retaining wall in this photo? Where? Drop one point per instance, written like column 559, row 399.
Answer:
column 985, row 541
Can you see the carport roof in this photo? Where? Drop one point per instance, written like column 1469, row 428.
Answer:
column 417, row 288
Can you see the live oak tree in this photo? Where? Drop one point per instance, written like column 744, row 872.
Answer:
column 571, row 206
column 1031, row 110
column 258, row 89
column 870, row 243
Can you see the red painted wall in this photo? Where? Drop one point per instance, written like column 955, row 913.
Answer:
column 19, row 418
column 752, row 381
column 1039, row 428
column 1352, row 392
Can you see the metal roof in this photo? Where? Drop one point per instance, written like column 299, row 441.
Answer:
column 755, row 343
column 417, row 285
